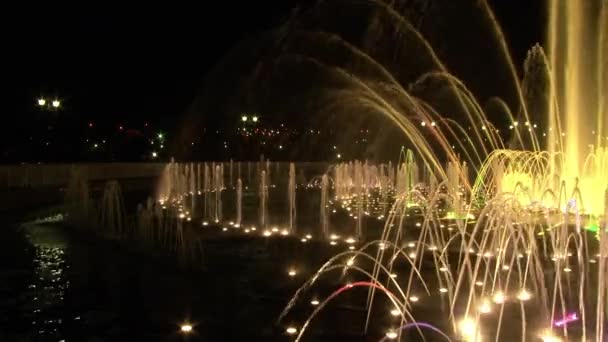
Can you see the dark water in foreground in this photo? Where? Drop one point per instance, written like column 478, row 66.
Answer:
column 54, row 286
column 58, row 286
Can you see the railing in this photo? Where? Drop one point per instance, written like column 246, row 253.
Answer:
column 52, row 175
column 58, row 175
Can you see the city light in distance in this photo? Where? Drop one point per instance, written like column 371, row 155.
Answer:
column 41, row 102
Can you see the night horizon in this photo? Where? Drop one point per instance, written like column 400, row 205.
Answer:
column 124, row 68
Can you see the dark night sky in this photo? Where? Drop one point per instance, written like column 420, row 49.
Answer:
column 123, row 62
column 149, row 62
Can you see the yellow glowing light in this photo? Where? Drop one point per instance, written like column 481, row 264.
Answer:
column 333, row 243
column 499, row 298
column 547, row 336
column 350, row 241
column 291, row 330
column 41, row 102
column 443, row 290
column 55, row 103
column 308, row 236
column 414, row 299
column 468, row 328
column 391, row 335
column 524, row 295
column 284, row 232
column 314, row 302
column 485, row 307
column 186, row 328
column 205, row 223
column 267, row 233
column 244, row 118
column 395, row 312
column 225, row 229
column 292, row 273
column 350, row 262
column 254, row 119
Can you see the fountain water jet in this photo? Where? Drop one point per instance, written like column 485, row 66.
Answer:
column 263, row 198
column 239, row 202
column 291, row 196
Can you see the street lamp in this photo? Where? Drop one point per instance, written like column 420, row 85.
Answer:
column 244, row 118
column 255, row 119
column 41, row 102
column 55, row 103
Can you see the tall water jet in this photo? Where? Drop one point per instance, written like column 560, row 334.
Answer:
column 578, row 48
column 218, row 193
column 239, row 202
column 268, row 171
column 323, row 207
column 230, row 184
column 291, row 196
column 77, row 197
column 192, row 181
column 206, row 189
column 113, row 210
column 263, row 198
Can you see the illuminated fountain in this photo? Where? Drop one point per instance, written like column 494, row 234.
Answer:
column 218, row 179
column 263, row 199
column 501, row 253
column 78, row 198
column 512, row 243
column 291, row 196
column 324, row 206
column 112, row 210
column 239, row 202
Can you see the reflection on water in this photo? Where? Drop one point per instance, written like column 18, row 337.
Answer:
column 73, row 288
column 44, row 297
column 47, row 291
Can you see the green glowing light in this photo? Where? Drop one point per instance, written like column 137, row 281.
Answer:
column 593, row 227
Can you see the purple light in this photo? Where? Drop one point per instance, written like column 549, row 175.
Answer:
column 568, row 319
